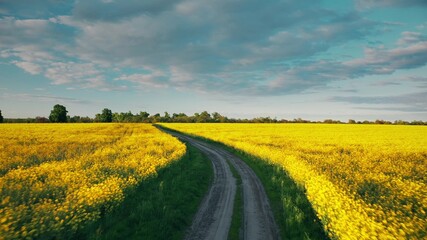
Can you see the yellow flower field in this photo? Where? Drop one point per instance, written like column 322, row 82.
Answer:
column 364, row 181
column 59, row 177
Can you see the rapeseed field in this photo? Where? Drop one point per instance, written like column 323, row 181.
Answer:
column 363, row 181
column 59, row 177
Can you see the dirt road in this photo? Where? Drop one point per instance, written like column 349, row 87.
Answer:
column 213, row 219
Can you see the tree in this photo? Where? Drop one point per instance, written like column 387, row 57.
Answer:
column 41, row 120
column 218, row 117
column 166, row 118
column 105, row 116
column 180, row 117
column 1, row 117
column 144, row 116
column 203, row 117
column 155, row 118
column 401, row 122
column 58, row 114
column 75, row 119
column 128, row 117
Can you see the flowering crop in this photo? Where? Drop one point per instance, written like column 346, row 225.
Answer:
column 58, row 177
column 364, row 181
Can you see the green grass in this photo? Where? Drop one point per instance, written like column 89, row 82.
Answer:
column 293, row 212
column 161, row 207
column 237, row 219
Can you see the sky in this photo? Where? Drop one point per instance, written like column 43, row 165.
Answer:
column 347, row 59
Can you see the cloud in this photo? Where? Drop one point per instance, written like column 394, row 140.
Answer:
column 209, row 37
column 82, row 75
column 409, row 99
column 298, row 43
column 405, row 109
column 414, row 102
column 41, row 33
column 68, row 72
column 384, row 61
column 26, row 97
column 212, row 46
column 102, row 10
column 41, row 46
column 148, row 80
column 29, row 67
column 418, row 81
column 225, row 47
column 377, row 61
column 368, row 4
column 37, row 9
column 411, row 38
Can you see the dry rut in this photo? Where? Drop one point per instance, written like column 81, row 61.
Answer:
column 213, row 219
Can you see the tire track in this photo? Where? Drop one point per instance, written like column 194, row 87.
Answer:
column 259, row 220
column 213, row 219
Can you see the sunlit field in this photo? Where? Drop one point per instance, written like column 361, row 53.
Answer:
column 58, row 177
column 364, row 181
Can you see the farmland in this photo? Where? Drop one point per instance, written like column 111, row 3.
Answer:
column 363, row 181
column 57, row 178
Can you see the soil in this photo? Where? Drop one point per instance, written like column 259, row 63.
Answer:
column 213, row 219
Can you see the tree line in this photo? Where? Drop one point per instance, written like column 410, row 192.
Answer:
column 59, row 114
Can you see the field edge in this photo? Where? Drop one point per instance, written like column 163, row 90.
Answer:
column 162, row 207
column 292, row 210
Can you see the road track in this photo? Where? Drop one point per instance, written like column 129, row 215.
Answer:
column 213, row 218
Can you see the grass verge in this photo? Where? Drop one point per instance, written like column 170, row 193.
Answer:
column 237, row 220
column 161, row 207
column 293, row 212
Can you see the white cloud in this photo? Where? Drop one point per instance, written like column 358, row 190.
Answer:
column 149, row 79
column 387, row 61
column 232, row 47
column 368, row 4
column 17, row 32
column 32, row 26
column 375, row 62
column 36, row 46
column 180, row 76
column 415, row 102
column 108, row 10
column 27, row 97
column 410, row 38
column 31, row 53
column 70, row 72
column 29, row 67
column 192, row 49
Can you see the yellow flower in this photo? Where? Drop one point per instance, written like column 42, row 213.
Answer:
column 69, row 173
column 364, row 181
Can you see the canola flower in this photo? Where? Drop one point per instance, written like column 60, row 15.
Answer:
column 364, row 181
column 56, row 178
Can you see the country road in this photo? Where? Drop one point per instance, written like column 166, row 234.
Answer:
column 213, row 219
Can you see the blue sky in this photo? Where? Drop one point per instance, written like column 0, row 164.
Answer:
column 360, row 59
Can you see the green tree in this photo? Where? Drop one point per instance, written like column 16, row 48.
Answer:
column 105, row 116
column 1, row 117
column 180, row 117
column 155, row 118
column 128, row 117
column 143, row 117
column 203, row 117
column 166, row 118
column 58, row 114
column 218, row 117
